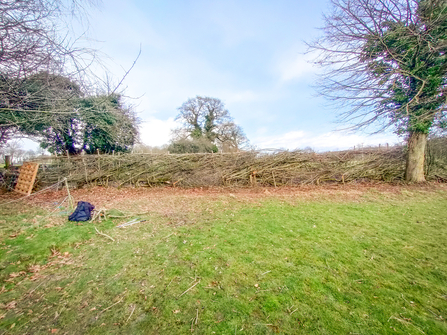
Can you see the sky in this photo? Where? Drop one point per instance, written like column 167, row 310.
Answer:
column 248, row 53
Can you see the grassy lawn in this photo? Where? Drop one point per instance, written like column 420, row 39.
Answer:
column 373, row 265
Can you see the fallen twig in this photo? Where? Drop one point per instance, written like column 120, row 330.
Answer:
column 405, row 322
column 130, row 223
column 105, row 235
column 195, row 320
column 134, row 306
column 97, row 215
column 126, row 216
column 31, row 292
column 170, row 283
column 116, row 303
column 188, row 289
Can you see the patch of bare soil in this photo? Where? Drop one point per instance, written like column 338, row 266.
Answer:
column 168, row 199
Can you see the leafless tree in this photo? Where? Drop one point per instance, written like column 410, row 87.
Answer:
column 35, row 39
column 385, row 63
column 15, row 151
column 207, row 118
column 231, row 138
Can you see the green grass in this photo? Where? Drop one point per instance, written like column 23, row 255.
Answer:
column 374, row 266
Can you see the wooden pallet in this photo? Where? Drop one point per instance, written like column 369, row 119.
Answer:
column 27, row 177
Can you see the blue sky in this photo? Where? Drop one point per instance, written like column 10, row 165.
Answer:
column 249, row 54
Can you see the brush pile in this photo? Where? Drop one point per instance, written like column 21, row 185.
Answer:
column 8, row 178
column 276, row 168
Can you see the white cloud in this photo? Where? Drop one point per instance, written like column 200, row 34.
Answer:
column 323, row 142
column 296, row 67
column 156, row 132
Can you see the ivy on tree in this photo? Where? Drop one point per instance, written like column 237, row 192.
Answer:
column 35, row 39
column 206, row 127
column 385, row 62
column 65, row 120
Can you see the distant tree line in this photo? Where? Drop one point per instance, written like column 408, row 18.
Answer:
column 16, row 153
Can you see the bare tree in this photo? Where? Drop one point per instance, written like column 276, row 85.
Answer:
column 201, row 116
column 34, row 39
column 14, row 150
column 207, row 118
column 385, row 63
column 231, row 138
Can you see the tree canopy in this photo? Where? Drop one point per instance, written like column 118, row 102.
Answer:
column 206, row 127
column 42, row 72
column 107, row 125
column 385, row 62
column 56, row 112
column 34, row 40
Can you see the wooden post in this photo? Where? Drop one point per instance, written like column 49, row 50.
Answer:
column 253, row 178
column 85, row 171
column 70, row 198
column 7, row 161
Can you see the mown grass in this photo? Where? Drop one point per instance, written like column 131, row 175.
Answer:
column 374, row 266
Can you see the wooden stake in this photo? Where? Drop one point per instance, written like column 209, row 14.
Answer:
column 7, row 161
column 70, row 198
column 85, row 171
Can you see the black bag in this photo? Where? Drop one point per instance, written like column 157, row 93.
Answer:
column 82, row 212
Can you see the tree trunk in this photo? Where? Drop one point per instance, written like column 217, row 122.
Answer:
column 414, row 172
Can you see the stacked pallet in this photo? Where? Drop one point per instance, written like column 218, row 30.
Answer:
column 27, row 177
